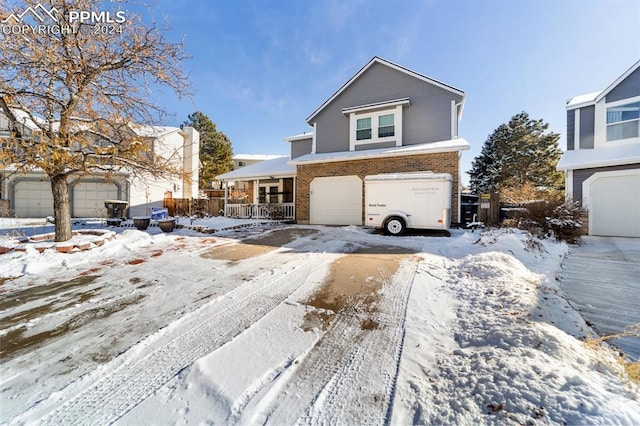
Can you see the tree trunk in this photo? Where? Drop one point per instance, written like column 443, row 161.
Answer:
column 61, row 207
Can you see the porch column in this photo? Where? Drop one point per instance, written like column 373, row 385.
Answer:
column 226, row 196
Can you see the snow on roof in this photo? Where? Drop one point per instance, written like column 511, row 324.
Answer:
column 425, row 148
column 255, row 157
column 153, row 131
column 277, row 167
column 601, row 157
column 582, row 100
column 426, row 175
column 300, row 137
column 23, row 118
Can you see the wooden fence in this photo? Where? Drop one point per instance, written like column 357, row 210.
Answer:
column 194, row 206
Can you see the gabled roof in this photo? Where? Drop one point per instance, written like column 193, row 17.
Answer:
column 378, row 60
column 277, row 167
column 626, row 74
column 595, row 97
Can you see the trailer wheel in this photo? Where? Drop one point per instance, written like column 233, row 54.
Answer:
column 394, row 226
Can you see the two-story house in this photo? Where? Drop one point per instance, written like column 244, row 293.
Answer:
column 29, row 194
column 602, row 161
column 384, row 119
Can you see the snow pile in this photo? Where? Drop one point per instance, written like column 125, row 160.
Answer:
column 512, row 353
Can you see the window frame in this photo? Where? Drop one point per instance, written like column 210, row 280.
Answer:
column 626, row 102
column 600, row 124
column 374, row 115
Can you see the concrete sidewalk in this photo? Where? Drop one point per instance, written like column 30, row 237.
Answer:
column 602, row 280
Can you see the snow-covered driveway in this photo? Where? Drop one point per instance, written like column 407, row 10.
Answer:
column 300, row 325
column 601, row 277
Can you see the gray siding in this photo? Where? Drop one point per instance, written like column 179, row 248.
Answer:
column 587, row 129
column 301, row 147
column 389, row 144
column 627, row 88
column 428, row 119
column 571, row 123
column 580, row 175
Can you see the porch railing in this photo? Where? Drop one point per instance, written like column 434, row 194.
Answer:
column 275, row 211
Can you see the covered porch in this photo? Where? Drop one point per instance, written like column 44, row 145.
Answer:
column 270, row 189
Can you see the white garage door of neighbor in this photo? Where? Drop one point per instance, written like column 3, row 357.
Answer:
column 336, row 200
column 89, row 197
column 33, row 199
column 614, row 204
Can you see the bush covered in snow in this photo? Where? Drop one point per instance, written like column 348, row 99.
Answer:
column 554, row 218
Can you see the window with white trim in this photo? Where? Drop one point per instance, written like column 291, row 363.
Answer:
column 376, row 127
column 623, row 121
column 363, row 128
column 386, row 127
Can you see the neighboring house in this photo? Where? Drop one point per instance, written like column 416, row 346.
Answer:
column 602, row 161
column 243, row 160
column 29, row 194
column 385, row 119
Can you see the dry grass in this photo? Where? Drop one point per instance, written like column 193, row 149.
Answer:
column 631, row 368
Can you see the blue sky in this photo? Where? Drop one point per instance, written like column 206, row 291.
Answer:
column 259, row 68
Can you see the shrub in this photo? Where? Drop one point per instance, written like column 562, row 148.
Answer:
column 553, row 218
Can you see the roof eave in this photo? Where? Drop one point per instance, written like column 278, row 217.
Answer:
column 374, row 60
column 617, row 81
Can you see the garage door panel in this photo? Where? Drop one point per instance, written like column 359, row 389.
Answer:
column 336, row 200
column 33, row 198
column 89, row 197
column 613, row 204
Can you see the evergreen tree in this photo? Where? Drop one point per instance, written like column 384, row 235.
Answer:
column 518, row 154
column 215, row 148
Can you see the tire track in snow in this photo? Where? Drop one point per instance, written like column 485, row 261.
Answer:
column 135, row 378
column 350, row 374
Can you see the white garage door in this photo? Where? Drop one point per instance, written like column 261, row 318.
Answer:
column 614, row 203
column 89, row 197
column 33, row 199
column 336, row 201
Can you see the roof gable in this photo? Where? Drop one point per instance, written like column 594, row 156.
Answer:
column 619, row 80
column 378, row 60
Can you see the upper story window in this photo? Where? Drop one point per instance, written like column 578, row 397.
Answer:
column 363, row 128
column 376, row 123
column 386, row 127
column 623, row 121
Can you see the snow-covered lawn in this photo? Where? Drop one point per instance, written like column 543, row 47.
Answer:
column 284, row 324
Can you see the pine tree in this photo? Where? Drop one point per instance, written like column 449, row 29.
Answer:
column 518, row 154
column 216, row 151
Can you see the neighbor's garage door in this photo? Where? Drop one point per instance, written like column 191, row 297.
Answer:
column 89, row 197
column 336, row 201
column 614, row 205
column 33, row 198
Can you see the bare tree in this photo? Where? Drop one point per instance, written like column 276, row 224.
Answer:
column 86, row 92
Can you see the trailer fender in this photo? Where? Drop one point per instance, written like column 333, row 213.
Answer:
column 399, row 214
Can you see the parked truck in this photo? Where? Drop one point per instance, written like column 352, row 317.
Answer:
column 397, row 201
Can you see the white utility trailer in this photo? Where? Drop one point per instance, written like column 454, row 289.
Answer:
column 397, row 201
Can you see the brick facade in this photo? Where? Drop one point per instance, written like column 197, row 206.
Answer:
column 446, row 162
